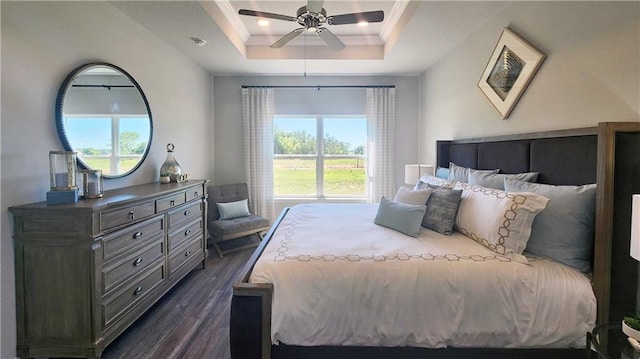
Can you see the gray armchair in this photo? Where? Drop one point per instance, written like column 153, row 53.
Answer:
column 228, row 229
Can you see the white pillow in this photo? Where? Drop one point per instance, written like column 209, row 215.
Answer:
column 235, row 209
column 499, row 220
column 412, row 196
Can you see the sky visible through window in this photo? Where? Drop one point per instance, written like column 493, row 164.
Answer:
column 352, row 130
column 96, row 132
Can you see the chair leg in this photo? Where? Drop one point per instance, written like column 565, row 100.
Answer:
column 215, row 245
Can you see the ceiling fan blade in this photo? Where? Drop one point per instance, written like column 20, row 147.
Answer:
column 315, row 6
column 286, row 38
column 266, row 15
column 331, row 39
column 369, row 16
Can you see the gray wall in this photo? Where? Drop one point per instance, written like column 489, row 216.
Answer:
column 591, row 73
column 41, row 43
column 228, row 140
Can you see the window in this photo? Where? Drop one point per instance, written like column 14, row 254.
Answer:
column 320, row 156
column 123, row 140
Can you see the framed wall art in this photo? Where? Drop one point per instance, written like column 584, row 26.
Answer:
column 511, row 67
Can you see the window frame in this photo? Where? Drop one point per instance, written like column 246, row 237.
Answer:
column 320, row 157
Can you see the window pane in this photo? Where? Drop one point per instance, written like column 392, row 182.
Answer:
column 134, row 135
column 294, row 176
column 294, row 136
column 85, row 132
column 345, row 136
column 344, row 177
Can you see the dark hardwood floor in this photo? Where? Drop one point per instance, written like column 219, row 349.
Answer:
column 191, row 320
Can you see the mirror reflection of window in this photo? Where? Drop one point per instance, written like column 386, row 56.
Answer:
column 105, row 118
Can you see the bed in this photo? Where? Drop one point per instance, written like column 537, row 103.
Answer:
column 303, row 311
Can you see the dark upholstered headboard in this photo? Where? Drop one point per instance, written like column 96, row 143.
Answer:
column 561, row 157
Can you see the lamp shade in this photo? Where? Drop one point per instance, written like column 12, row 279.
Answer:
column 412, row 173
column 635, row 227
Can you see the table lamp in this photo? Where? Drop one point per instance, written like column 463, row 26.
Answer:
column 412, row 173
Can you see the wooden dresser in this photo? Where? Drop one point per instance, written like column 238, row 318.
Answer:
column 86, row 271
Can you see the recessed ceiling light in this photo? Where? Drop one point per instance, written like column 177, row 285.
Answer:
column 363, row 23
column 263, row 22
column 198, row 42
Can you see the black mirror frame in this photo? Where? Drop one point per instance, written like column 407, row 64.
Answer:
column 62, row 92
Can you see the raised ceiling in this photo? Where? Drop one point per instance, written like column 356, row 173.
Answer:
column 412, row 37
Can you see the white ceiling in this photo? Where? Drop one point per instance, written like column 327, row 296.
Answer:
column 413, row 36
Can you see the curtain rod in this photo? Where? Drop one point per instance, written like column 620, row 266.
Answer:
column 322, row 86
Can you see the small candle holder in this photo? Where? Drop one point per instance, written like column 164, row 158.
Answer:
column 92, row 184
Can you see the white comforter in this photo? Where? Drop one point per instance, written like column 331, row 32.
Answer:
column 339, row 279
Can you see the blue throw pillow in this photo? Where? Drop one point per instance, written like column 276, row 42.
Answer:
column 442, row 172
column 402, row 217
column 235, row 209
column 563, row 231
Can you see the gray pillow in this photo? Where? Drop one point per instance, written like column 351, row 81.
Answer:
column 402, row 217
column 563, row 231
column 230, row 210
column 496, row 180
column 461, row 174
column 412, row 196
column 442, row 207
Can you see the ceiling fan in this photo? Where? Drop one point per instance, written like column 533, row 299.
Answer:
column 312, row 18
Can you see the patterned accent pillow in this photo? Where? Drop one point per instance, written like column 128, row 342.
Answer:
column 401, row 217
column 499, row 220
column 412, row 196
column 461, row 174
column 496, row 180
column 441, row 210
column 426, row 181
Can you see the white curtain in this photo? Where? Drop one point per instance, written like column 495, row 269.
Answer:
column 381, row 136
column 257, row 120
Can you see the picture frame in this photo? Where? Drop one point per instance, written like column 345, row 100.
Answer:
column 509, row 71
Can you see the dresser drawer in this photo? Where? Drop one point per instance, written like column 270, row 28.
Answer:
column 117, row 305
column 183, row 233
column 123, row 240
column 183, row 254
column 132, row 265
column 126, row 215
column 185, row 214
column 194, row 193
column 165, row 203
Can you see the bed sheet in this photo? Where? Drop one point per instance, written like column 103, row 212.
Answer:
column 339, row 279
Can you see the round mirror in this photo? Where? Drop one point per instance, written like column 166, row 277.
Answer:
column 102, row 113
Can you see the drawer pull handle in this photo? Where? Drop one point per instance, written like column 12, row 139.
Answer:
column 137, row 235
column 195, row 194
column 172, row 202
column 187, row 253
column 137, row 262
column 132, row 215
column 186, row 213
column 187, row 232
column 137, row 291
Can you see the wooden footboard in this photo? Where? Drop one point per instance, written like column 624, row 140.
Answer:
column 250, row 324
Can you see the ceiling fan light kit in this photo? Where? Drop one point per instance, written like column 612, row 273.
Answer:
column 312, row 17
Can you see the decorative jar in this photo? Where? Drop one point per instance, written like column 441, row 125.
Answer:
column 170, row 166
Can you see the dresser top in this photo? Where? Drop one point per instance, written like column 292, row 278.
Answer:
column 116, row 197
